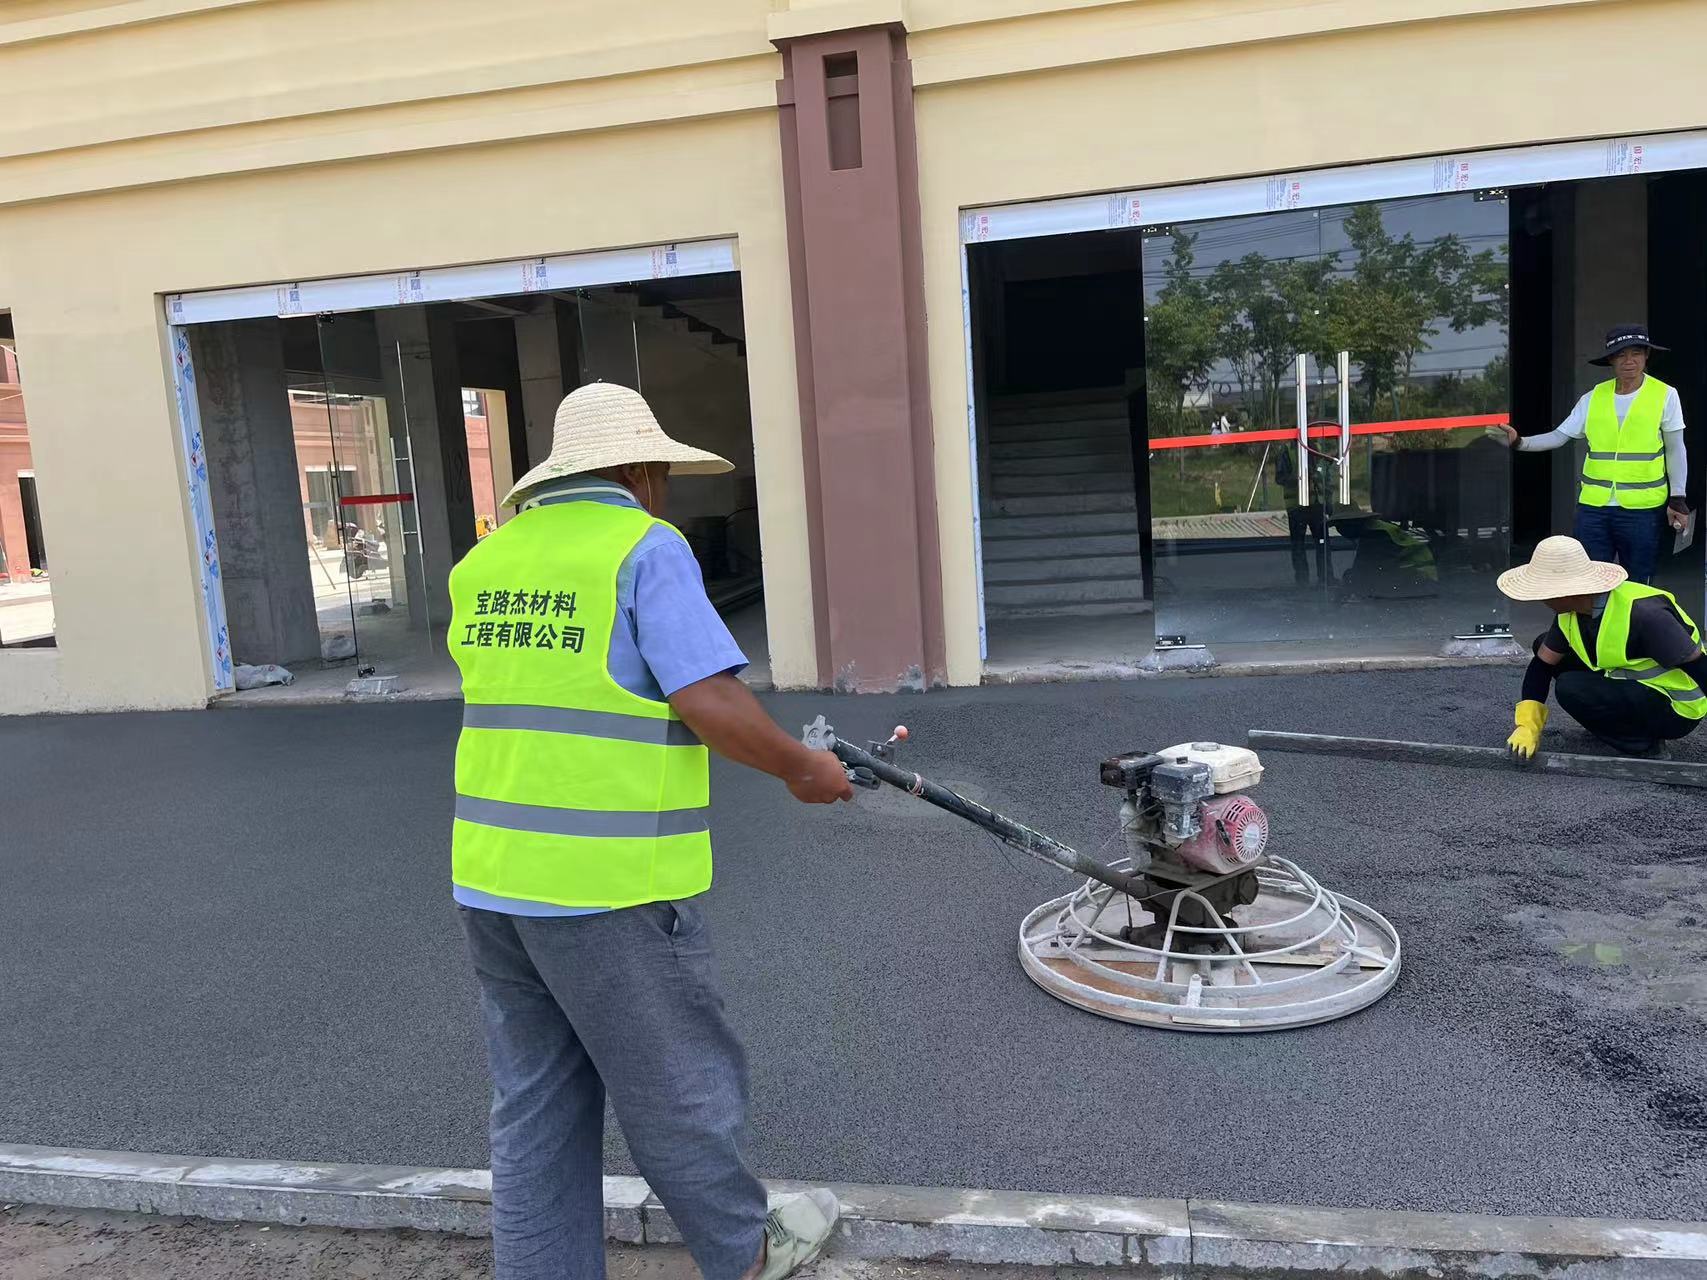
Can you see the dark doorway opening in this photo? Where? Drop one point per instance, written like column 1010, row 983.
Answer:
column 1058, row 349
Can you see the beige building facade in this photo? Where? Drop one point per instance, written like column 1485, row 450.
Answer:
column 168, row 167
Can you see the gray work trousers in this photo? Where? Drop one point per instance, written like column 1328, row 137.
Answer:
column 623, row 1003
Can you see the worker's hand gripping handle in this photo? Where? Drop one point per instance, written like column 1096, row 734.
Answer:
column 821, row 737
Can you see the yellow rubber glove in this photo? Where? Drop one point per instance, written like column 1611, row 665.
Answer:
column 1526, row 738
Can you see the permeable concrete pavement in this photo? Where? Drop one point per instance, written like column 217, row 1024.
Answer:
column 230, row 934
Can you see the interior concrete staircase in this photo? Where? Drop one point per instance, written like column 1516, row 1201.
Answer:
column 666, row 315
column 1060, row 523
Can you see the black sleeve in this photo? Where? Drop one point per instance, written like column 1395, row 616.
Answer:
column 1697, row 670
column 1555, row 640
column 1657, row 632
column 1537, row 680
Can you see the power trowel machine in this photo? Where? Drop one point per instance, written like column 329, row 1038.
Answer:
column 1153, row 937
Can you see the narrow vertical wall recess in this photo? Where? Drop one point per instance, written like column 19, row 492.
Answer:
column 841, row 94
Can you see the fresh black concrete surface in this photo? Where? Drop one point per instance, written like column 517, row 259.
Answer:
column 229, row 933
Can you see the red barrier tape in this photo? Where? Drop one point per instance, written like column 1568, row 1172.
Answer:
column 376, row 499
column 1470, row 422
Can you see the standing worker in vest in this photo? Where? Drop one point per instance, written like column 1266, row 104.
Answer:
column 1625, row 659
column 1636, row 461
column 595, row 674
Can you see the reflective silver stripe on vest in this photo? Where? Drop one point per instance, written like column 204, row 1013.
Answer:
column 1655, row 456
column 549, row 821
column 589, row 724
column 1676, row 695
column 1627, row 484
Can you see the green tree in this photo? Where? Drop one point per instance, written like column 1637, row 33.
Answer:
column 1271, row 310
column 1399, row 294
column 1180, row 331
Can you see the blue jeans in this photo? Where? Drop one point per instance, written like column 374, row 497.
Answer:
column 1629, row 538
column 624, row 1003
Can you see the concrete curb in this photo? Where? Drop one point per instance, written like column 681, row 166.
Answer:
column 1040, row 673
column 1155, row 1238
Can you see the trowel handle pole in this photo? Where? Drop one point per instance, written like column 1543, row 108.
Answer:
column 1015, row 834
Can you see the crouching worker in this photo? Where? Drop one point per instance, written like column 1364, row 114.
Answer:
column 1624, row 659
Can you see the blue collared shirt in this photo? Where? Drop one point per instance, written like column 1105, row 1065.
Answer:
column 668, row 634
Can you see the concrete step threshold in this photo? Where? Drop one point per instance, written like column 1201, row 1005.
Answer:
column 1187, row 664
column 1066, row 569
column 1153, row 1238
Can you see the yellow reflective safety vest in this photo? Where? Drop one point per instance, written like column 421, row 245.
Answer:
column 1611, row 650
column 569, row 788
column 1629, row 456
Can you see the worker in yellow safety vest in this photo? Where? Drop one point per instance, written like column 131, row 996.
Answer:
column 1636, row 464
column 595, row 675
column 1624, row 658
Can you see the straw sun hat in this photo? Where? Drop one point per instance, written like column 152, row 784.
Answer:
column 1560, row 567
column 604, row 424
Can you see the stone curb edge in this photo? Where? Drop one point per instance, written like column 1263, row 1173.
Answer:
column 1040, row 673
column 1159, row 1238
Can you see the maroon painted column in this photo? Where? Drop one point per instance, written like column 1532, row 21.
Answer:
column 850, row 172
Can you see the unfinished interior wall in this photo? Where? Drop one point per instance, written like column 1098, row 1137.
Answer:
column 256, row 488
column 697, row 387
column 424, row 397
column 489, row 361
column 700, row 396
column 547, row 357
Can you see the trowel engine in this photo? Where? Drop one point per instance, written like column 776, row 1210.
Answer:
column 1187, row 824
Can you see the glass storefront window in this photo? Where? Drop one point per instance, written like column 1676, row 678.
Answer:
column 1319, row 389
column 352, row 523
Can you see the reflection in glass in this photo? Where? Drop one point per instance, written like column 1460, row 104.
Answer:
column 26, row 598
column 1289, row 507
column 342, row 451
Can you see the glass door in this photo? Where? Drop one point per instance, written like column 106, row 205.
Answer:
column 610, row 343
column 1319, row 389
column 371, row 541
column 321, row 483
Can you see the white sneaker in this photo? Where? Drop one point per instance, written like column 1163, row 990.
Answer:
column 796, row 1232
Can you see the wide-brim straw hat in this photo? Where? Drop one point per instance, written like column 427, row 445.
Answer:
column 1559, row 568
column 605, row 424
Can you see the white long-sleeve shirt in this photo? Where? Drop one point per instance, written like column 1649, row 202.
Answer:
column 1576, row 425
